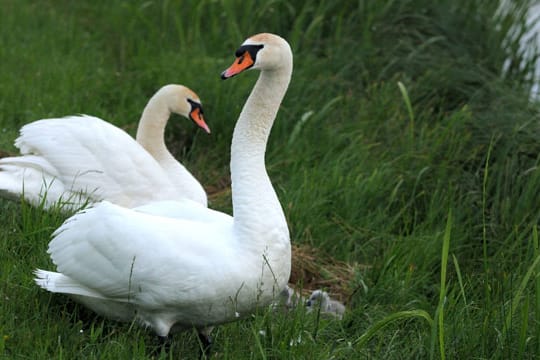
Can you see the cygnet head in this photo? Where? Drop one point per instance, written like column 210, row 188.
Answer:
column 263, row 51
column 182, row 101
column 327, row 305
column 318, row 297
column 289, row 297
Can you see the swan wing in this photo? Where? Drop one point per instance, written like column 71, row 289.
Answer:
column 184, row 209
column 130, row 256
column 34, row 177
column 85, row 154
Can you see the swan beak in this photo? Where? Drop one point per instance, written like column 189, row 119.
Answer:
column 197, row 116
column 241, row 63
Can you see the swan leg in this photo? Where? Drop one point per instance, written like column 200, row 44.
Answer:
column 206, row 342
column 163, row 345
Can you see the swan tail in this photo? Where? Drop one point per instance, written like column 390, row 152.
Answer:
column 17, row 180
column 34, row 179
column 59, row 283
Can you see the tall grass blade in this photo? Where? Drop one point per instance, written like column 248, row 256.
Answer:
column 460, row 280
column 516, row 300
column 258, row 342
column 407, row 100
column 522, row 342
column 442, row 291
column 484, row 222
column 537, row 286
column 312, row 116
column 381, row 324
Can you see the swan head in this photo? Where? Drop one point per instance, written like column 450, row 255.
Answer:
column 263, row 51
column 327, row 305
column 184, row 102
column 318, row 296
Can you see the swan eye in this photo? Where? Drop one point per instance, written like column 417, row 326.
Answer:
column 194, row 104
column 252, row 50
column 196, row 114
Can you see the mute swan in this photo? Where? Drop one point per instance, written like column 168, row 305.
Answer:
column 83, row 159
column 172, row 273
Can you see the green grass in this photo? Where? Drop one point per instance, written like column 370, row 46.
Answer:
column 401, row 144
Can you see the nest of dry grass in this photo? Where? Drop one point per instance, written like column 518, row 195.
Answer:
column 4, row 154
column 312, row 270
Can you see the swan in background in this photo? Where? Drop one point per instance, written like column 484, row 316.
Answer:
column 173, row 273
column 78, row 160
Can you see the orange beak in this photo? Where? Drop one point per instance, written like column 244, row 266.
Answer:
column 197, row 116
column 241, row 63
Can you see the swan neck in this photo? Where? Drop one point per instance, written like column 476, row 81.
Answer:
column 151, row 136
column 255, row 203
column 151, row 129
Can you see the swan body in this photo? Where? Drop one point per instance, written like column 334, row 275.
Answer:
column 178, row 265
column 77, row 160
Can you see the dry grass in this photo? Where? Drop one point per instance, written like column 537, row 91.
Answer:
column 4, row 154
column 312, row 270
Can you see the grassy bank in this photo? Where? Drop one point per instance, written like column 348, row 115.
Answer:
column 406, row 144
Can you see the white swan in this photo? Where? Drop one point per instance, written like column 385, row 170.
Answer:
column 83, row 159
column 200, row 271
